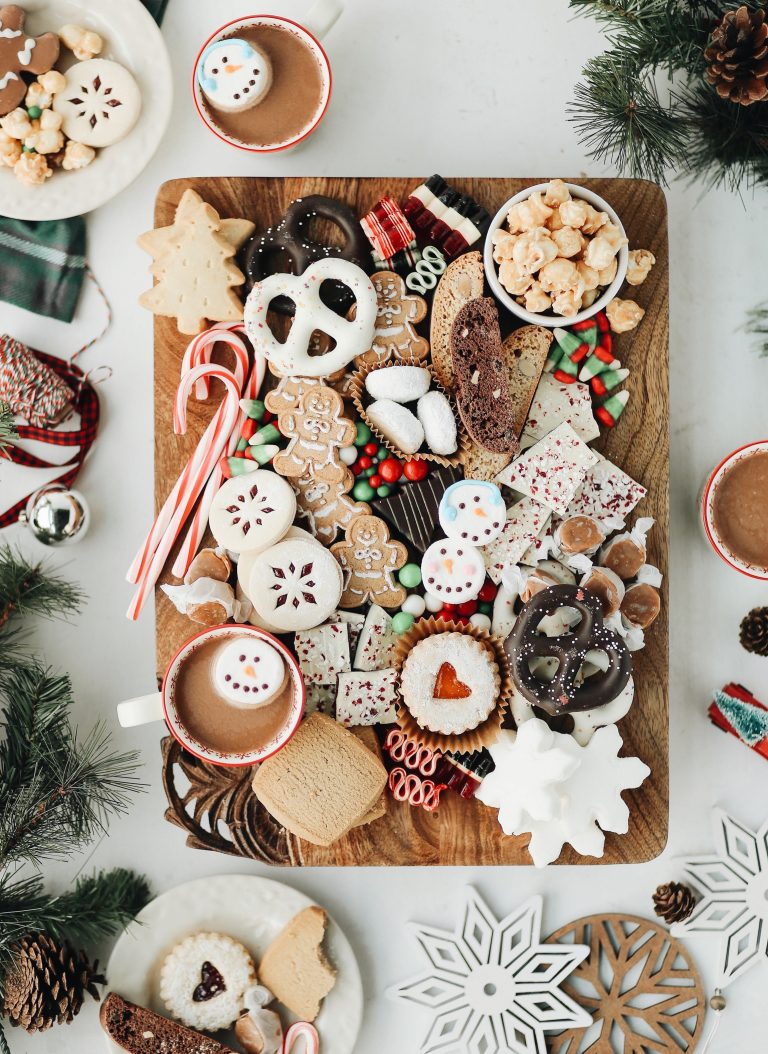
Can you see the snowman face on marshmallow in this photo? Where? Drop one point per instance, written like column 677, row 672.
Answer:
column 249, row 672
column 452, row 571
column 472, row 511
column 234, row 75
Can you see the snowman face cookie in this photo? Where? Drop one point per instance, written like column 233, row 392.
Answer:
column 233, row 75
column 249, row 672
column 453, row 571
column 472, row 511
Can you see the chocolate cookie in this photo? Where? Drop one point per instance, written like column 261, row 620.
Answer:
column 21, row 53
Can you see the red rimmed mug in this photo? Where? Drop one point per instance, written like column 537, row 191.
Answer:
column 707, row 502
column 313, row 26
column 161, row 706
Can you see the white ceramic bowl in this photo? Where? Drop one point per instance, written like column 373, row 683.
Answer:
column 550, row 320
column 706, row 506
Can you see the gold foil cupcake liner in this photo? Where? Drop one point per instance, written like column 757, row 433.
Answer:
column 487, row 731
column 356, row 391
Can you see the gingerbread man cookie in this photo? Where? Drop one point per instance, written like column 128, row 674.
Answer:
column 369, row 559
column 317, row 430
column 291, row 388
column 21, row 53
column 396, row 314
column 326, row 507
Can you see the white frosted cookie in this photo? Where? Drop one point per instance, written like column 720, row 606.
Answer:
column 203, row 980
column 449, row 683
column 452, row 571
column 439, row 423
column 397, row 424
column 249, row 671
column 249, row 513
column 472, row 511
column 402, row 384
column 234, row 75
column 295, row 585
column 100, row 103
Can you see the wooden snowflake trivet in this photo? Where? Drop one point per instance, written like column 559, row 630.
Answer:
column 639, row 984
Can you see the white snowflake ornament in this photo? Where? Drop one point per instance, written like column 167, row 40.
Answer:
column 492, row 986
column 733, row 885
column 529, row 767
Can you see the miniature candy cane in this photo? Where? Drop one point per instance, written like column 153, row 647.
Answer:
column 429, row 268
column 301, row 1030
column 201, row 348
column 195, row 475
column 411, row 754
column 408, row 787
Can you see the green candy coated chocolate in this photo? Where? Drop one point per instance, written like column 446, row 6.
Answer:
column 383, row 453
column 484, row 608
column 410, row 576
column 383, row 491
column 402, row 622
column 363, row 434
column 33, row 112
column 363, row 491
column 368, row 472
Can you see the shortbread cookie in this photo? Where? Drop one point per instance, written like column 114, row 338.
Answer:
column 249, row 513
column 295, row 585
column 141, row 1031
column 294, row 967
column 462, row 282
column 449, row 683
column 322, row 783
column 204, row 978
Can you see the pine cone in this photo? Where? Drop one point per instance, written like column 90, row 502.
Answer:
column 737, row 56
column 46, row 983
column 753, row 632
column 674, row 902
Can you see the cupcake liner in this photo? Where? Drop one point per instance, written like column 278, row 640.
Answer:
column 356, row 393
column 487, row 731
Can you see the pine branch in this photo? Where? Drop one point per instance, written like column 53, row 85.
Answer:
column 30, row 589
column 621, row 119
column 4, row 1048
column 757, row 326
column 7, row 427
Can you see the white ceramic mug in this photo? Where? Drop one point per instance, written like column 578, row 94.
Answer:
column 706, row 507
column 314, row 25
column 161, row 705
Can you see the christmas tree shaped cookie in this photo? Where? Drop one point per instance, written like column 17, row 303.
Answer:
column 193, row 264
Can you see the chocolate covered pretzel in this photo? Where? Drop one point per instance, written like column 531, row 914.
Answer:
column 290, row 239
column 561, row 695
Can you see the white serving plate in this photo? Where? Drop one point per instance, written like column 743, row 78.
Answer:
column 253, row 911
column 132, row 37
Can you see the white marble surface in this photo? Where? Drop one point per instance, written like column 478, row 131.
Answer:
column 475, row 89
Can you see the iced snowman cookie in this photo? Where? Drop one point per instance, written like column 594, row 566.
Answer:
column 472, row 511
column 233, row 75
column 100, row 103
column 249, row 672
column 452, row 571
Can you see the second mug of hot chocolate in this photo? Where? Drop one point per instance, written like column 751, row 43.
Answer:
column 232, row 695
column 734, row 509
column 263, row 83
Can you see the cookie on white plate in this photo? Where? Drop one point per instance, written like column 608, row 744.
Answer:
column 100, row 103
column 204, row 978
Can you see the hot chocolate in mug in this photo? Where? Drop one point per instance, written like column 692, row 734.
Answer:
column 263, row 83
column 232, row 695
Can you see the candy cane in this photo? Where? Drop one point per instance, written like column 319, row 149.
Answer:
column 197, row 353
column 302, row 1030
column 198, row 469
column 408, row 787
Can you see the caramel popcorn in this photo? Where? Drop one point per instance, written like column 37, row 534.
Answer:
column 76, row 156
column 640, row 263
column 600, row 251
column 624, row 315
column 554, row 223
column 573, row 213
column 533, row 250
column 32, row 169
column 556, row 193
column 83, row 43
column 569, row 241
column 568, row 302
column 589, row 276
column 16, row 124
column 44, row 141
column 53, row 82
column 503, row 243
column 559, row 275
column 590, row 296
column 514, row 280
column 10, row 150
column 594, row 221
column 536, row 299
column 528, row 214
column 607, row 274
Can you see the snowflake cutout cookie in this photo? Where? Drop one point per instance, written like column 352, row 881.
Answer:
column 492, row 986
column 733, row 885
column 295, row 585
column 253, row 513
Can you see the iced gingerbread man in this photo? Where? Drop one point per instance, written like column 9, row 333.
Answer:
column 397, row 313
column 317, row 430
column 369, row 559
column 326, row 507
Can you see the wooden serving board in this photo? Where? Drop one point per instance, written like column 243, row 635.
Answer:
column 459, row 832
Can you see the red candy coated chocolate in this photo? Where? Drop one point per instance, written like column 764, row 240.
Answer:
column 416, row 469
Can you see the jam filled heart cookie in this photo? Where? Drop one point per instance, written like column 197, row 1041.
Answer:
column 449, row 683
column 204, row 978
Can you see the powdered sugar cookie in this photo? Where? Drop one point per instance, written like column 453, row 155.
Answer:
column 449, row 683
column 472, row 511
column 295, row 585
column 397, row 424
column 437, row 419
column 252, row 512
column 203, row 980
column 249, row 672
column 452, row 571
column 402, row 384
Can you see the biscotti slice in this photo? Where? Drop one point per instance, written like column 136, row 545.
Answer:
column 141, row 1031
column 480, row 463
column 526, row 349
column 481, row 381
column 461, row 282
column 322, row 783
column 294, row 967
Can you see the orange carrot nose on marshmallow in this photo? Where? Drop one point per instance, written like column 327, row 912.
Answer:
column 479, row 512
column 449, row 566
column 232, row 69
column 249, row 671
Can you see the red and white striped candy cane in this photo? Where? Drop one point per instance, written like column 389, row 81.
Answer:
column 196, row 473
column 301, row 1030
column 201, row 348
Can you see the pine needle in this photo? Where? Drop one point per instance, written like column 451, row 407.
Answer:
column 7, row 427
column 30, row 589
column 757, row 326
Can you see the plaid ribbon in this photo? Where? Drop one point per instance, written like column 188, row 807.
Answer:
column 86, row 403
column 43, row 263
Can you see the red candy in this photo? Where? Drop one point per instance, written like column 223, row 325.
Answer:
column 356, row 469
column 364, row 462
column 448, row 609
column 390, row 470
column 416, row 469
column 249, row 428
column 375, row 481
column 370, row 448
column 488, row 592
column 469, row 607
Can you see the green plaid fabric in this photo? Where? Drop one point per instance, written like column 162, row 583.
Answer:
column 42, row 264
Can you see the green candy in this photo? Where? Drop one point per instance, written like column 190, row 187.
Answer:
column 363, row 491
column 363, row 434
column 484, row 608
column 383, row 491
column 368, row 472
column 383, row 453
column 402, row 622
column 242, row 444
column 409, row 576
column 33, row 112
column 253, row 408
column 266, row 434
column 262, row 455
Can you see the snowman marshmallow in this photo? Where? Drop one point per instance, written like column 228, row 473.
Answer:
column 249, row 672
column 472, row 511
column 234, row 75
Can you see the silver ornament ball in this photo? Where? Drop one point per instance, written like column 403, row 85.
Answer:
column 56, row 515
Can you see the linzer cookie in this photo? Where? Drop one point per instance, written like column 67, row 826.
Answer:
column 203, row 980
column 461, row 282
column 482, row 385
column 369, row 560
column 366, row 698
column 551, row 471
column 555, row 402
column 398, row 312
column 413, row 510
